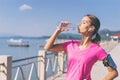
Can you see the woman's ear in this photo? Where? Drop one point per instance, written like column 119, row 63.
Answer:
column 92, row 28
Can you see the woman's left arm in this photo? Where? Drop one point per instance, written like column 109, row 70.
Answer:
column 112, row 73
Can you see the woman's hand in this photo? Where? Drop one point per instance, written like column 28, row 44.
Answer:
column 63, row 26
column 49, row 46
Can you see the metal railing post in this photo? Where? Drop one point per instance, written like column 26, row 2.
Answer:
column 5, row 67
column 42, row 65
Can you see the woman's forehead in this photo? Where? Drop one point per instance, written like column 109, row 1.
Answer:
column 86, row 18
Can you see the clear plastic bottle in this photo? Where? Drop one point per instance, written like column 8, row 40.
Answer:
column 68, row 27
column 71, row 27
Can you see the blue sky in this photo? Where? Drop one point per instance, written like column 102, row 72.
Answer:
column 40, row 17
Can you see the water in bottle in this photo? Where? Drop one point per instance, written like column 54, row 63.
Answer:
column 71, row 27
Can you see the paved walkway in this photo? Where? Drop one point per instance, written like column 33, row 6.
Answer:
column 99, row 71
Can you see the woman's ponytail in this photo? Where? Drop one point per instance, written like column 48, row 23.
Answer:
column 96, row 23
column 96, row 38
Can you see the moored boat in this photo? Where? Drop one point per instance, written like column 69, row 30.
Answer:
column 18, row 43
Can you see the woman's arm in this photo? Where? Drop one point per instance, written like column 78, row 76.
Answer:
column 50, row 46
column 112, row 73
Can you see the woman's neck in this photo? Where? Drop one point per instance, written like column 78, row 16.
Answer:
column 85, row 42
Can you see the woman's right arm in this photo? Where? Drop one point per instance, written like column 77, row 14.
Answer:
column 50, row 46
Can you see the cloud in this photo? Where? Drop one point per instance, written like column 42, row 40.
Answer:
column 25, row 7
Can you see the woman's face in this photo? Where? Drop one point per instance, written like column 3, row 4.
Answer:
column 84, row 25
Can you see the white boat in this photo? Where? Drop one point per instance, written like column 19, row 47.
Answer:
column 18, row 43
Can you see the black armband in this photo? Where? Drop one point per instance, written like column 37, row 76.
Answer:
column 109, row 62
column 106, row 64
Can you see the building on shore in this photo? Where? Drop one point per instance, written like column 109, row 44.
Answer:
column 115, row 37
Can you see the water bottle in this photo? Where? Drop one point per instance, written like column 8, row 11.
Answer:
column 71, row 26
column 67, row 25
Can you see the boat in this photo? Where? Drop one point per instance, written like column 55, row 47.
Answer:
column 18, row 43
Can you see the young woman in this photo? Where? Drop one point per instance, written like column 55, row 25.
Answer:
column 84, row 53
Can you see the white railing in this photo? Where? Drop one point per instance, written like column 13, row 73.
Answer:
column 32, row 65
column 5, row 67
column 52, row 64
column 32, row 68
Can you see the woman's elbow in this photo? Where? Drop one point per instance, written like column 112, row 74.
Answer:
column 115, row 72
column 46, row 48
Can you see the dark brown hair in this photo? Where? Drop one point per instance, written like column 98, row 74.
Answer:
column 96, row 23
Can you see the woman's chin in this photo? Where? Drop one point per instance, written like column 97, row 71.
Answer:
column 80, row 32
